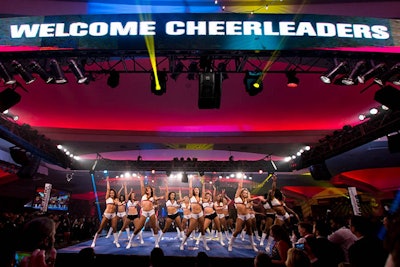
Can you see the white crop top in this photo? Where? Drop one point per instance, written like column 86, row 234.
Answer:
column 175, row 204
column 132, row 204
column 145, row 198
column 208, row 204
column 194, row 200
column 185, row 206
column 109, row 201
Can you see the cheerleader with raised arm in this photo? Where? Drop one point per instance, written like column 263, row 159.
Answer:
column 210, row 214
column 242, row 200
column 109, row 215
column 132, row 207
column 173, row 215
column 197, row 216
column 148, row 202
column 187, row 211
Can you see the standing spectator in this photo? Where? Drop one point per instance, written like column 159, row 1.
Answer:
column 281, row 246
column 202, row 260
column 262, row 260
column 87, row 257
column 342, row 235
column 392, row 240
column 368, row 249
column 157, row 258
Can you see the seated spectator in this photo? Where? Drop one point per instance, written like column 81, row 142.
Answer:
column 342, row 235
column 392, row 240
column 87, row 257
column 202, row 260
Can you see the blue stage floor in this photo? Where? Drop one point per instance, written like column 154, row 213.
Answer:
column 170, row 244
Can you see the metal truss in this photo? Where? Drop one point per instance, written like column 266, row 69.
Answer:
column 346, row 139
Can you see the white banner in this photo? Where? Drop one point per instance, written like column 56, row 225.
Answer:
column 355, row 202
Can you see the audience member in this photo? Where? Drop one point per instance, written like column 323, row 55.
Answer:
column 202, row 260
column 262, row 260
column 38, row 237
column 157, row 258
column 87, row 257
column 342, row 235
column 392, row 240
column 297, row 258
column 282, row 244
column 368, row 249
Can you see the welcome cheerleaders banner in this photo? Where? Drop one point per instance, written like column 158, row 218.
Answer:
column 196, row 32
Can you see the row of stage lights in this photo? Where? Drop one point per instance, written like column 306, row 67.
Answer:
column 67, row 152
column 362, row 117
column 346, row 74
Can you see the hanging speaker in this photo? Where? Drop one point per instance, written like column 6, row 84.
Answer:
column 8, row 98
column 320, row 172
column 388, row 96
column 209, row 90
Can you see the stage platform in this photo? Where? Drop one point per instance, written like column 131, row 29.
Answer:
column 138, row 255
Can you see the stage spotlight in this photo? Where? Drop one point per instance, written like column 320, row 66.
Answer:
column 330, row 76
column 355, row 72
column 35, row 67
column 8, row 98
column 77, row 70
column 253, row 82
column 113, row 79
column 177, row 70
column 384, row 77
column 25, row 75
column 58, row 72
column 293, row 81
column 161, row 87
column 375, row 71
column 5, row 75
column 193, row 70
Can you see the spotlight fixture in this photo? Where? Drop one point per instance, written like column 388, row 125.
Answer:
column 159, row 83
column 25, row 75
column 384, row 77
column 178, row 68
column 58, row 72
column 113, row 79
column 193, row 69
column 5, row 75
column 77, row 70
column 209, row 90
column 388, row 96
column 375, row 71
column 253, row 82
column 293, row 81
column 351, row 79
column 330, row 75
column 35, row 67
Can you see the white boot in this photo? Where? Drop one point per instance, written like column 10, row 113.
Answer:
column 94, row 240
column 257, row 235
column 160, row 236
column 156, row 238
column 263, row 236
column 109, row 232
column 205, row 243
column 198, row 239
column 242, row 234
column 231, row 242
column 141, row 237
column 128, row 232
column 116, row 240
column 178, row 235
column 253, row 245
column 221, row 239
column 130, row 241
column 119, row 233
column 182, row 246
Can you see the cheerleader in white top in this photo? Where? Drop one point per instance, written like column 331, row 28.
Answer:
column 210, row 214
column 109, row 215
column 197, row 216
column 221, row 207
column 186, row 208
column 132, row 207
column 173, row 205
column 147, row 211
column 242, row 199
column 121, row 208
